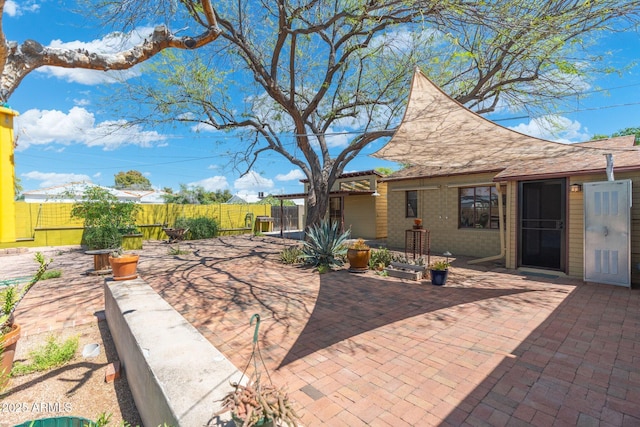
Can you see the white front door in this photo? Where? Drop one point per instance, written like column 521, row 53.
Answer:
column 607, row 232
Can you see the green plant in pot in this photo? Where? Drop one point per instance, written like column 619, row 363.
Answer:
column 439, row 270
column 106, row 219
column 10, row 298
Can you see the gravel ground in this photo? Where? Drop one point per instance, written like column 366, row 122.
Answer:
column 77, row 388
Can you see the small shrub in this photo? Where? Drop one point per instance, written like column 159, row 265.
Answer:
column 51, row 274
column 199, row 228
column 175, row 250
column 49, row 356
column 439, row 265
column 291, row 255
column 380, row 259
column 325, row 245
column 102, row 237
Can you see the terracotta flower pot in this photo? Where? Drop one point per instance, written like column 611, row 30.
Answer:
column 124, row 267
column 358, row 260
column 9, row 341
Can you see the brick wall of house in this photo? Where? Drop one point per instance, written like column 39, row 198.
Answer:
column 438, row 209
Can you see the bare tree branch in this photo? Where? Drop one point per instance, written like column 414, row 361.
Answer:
column 18, row 60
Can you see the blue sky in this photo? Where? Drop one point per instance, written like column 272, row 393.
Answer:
column 63, row 116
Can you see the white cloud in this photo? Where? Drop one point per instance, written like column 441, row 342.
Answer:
column 252, row 181
column 554, row 128
column 51, row 179
column 81, row 102
column 248, row 186
column 12, row 8
column 41, row 127
column 248, row 196
column 292, row 175
column 203, row 127
column 110, row 44
column 213, row 183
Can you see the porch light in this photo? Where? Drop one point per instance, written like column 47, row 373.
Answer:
column 375, row 194
column 576, row 188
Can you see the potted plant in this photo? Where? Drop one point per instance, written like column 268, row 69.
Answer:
column 417, row 224
column 358, row 255
column 439, row 270
column 123, row 266
column 257, row 404
column 10, row 298
column 107, row 220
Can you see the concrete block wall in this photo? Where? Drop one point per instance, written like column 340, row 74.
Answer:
column 175, row 375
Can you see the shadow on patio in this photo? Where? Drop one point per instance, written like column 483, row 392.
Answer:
column 579, row 367
column 356, row 304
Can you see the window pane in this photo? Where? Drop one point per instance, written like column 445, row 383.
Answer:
column 482, row 205
column 467, row 198
column 412, row 204
column 478, row 207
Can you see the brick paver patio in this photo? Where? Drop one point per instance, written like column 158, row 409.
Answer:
column 491, row 348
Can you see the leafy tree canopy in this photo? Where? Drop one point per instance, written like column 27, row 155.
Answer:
column 271, row 200
column 289, row 76
column 624, row 132
column 132, row 180
column 197, row 196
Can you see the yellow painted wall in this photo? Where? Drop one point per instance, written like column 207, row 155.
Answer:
column 7, row 177
column 50, row 224
column 381, row 211
column 359, row 216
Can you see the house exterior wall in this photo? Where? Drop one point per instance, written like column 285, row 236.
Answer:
column 359, row 216
column 438, row 208
column 575, row 224
column 511, row 233
column 381, row 211
column 364, row 214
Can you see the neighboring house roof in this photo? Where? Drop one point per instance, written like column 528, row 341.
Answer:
column 71, row 192
column 438, row 131
column 236, row 200
column 149, row 196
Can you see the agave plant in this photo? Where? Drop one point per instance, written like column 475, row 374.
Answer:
column 325, row 246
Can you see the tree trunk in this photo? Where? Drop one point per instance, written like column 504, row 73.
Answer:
column 317, row 200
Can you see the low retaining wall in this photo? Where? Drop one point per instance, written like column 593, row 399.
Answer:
column 175, row 375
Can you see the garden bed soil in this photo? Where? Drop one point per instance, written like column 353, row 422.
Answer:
column 75, row 389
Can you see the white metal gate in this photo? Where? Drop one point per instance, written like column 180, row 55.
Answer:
column 607, row 232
